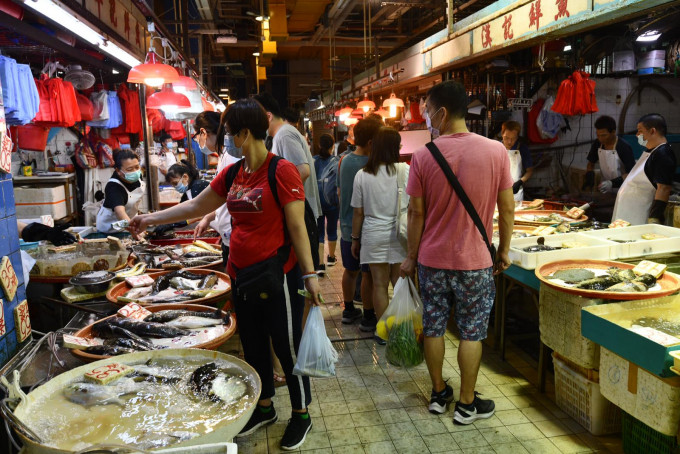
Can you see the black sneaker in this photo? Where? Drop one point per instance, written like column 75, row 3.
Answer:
column 259, row 419
column 296, row 432
column 379, row 340
column 351, row 315
column 321, row 270
column 440, row 400
column 368, row 323
column 331, row 260
column 478, row 409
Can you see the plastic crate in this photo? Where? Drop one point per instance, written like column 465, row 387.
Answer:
column 640, row 438
column 580, row 398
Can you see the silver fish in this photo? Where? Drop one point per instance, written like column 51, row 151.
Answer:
column 138, row 292
column 184, row 284
column 192, row 322
column 89, row 394
column 153, row 440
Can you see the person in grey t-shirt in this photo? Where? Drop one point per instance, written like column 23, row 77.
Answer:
column 292, row 146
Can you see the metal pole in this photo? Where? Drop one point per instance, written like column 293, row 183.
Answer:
column 185, row 28
column 200, row 57
column 145, row 141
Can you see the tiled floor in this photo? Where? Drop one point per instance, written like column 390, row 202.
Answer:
column 372, row 407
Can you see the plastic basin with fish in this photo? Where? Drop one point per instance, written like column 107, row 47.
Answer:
column 528, row 217
column 669, row 282
column 121, row 288
column 211, row 345
column 222, row 432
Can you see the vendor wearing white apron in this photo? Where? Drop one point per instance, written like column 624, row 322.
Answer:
column 166, row 157
column 615, row 157
column 644, row 195
column 186, row 180
column 123, row 192
column 521, row 165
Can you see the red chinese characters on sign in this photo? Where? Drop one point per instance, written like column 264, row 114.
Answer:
column 137, row 39
column 108, row 371
column 486, row 36
column 535, row 14
column 134, row 311
column 562, row 6
column 99, row 8
column 3, row 328
column 126, row 20
column 6, row 154
column 22, row 321
column 507, row 27
column 8, row 278
column 112, row 13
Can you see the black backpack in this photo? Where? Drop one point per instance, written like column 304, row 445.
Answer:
column 310, row 220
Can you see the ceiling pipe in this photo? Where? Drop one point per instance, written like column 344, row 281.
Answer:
column 344, row 7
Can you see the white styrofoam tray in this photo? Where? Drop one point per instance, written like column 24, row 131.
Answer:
column 597, row 249
column 640, row 247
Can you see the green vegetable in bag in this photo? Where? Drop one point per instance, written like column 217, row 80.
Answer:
column 403, row 348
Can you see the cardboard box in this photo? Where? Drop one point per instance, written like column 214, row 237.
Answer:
column 607, row 325
column 652, row 59
column 32, row 202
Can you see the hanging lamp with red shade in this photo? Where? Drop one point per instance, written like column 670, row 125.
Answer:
column 153, row 72
column 167, row 99
column 392, row 103
column 366, row 104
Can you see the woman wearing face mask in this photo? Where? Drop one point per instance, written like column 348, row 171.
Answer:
column 123, row 192
column 167, row 156
column 644, row 194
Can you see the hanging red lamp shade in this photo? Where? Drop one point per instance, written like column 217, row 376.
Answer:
column 392, row 103
column 167, row 99
column 184, row 83
column 351, row 121
column 152, row 72
column 207, row 106
column 343, row 113
column 366, row 105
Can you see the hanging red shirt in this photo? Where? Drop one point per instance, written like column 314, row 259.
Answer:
column 257, row 220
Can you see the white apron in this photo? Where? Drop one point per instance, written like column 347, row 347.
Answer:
column 516, row 171
column 610, row 165
column 636, row 194
column 106, row 216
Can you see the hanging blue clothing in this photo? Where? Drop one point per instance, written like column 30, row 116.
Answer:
column 115, row 111
column 19, row 92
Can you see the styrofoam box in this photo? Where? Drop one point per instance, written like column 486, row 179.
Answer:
column 44, row 194
column 598, row 249
column 640, row 247
column 652, row 59
column 56, row 210
column 623, row 61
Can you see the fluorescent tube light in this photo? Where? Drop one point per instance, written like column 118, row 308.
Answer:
column 567, row 48
column 56, row 13
column 651, row 35
column 119, row 54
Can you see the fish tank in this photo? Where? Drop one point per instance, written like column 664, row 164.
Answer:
column 86, row 256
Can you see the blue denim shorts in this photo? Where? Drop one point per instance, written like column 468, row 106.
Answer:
column 470, row 293
column 348, row 260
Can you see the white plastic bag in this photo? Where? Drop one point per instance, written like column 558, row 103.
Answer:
column 316, row 356
column 402, row 326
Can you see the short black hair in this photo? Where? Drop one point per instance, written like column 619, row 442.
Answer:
column 164, row 136
column 365, row 130
column 656, row 121
column 269, row 103
column 606, row 122
column 450, row 95
column 386, row 144
column 121, row 156
column 291, row 115
column 182, row 167
column 246, row 114
column 210, row 121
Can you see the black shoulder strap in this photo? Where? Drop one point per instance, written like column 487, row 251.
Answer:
column 453, row 180
column 271, row 176
column 232, row 172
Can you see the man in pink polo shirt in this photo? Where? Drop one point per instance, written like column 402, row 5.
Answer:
column 454, row 265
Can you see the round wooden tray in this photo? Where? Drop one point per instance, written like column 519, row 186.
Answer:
column 86, row 332
column 122, row 287
column 669, row 282
column 544, row 213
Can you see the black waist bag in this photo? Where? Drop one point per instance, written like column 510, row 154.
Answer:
column 261, row 281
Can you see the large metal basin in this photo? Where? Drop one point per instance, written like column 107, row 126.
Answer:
column 223, row 432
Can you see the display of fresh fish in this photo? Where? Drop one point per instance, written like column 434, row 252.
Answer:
column 153, row 374
column 126, row 342
column 599, row 283
column 108, row 350
column 647, row 279
column 168, row 315
column 184, row 284
column 630, row 286
column 191, row 322
column 623, row 275
column 138, row 292
column 539, row 248
column 104, row 328
column 203, row 253
column 154, row 440
column 89, row 394
column 215, row 385
column 573, row 275
column 208, row 281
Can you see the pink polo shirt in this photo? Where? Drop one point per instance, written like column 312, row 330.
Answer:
column 450, row 239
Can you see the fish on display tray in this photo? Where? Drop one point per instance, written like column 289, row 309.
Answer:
column 610, row 280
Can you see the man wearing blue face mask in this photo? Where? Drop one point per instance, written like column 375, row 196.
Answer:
column 123, row 192
column 644, row 195
column 166, row 155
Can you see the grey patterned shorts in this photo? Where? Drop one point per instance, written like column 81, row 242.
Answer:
column 473, row 293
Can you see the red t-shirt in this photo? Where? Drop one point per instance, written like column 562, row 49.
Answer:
column 257, row 220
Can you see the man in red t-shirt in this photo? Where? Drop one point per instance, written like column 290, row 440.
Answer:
column 454, row 264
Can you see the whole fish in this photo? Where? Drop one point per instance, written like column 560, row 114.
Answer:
column 89, row 394
column 138, row 292
column 184, row 284
column 191, row 263
column 104, row 328
column 108, row 350
column 153, row 374
column 134, row 344
column 191, row 322
column 194, row 254
column 215, row 385
column 153, row 440
column 168, row 315
column 208, row 281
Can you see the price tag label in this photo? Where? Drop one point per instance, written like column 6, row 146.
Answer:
column 3, row 327
column 108, row 373
column 8, row 278
column 79, row 343
column 5, row 150
column 22, row 321
column 134, row 311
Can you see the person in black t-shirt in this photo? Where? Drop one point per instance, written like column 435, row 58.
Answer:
column 644, row 195
column 614, row 156
column 123, row 192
